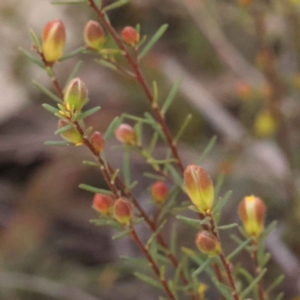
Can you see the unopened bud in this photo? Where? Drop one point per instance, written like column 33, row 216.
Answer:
column 103, row 204
column 126, row 134
column 71, row 135
column 130, row 36
column 252, row 212
column 122, row 211
column 199, row 187
column 54, row 38
column 93, row 35
column 76, row 95
column 159, row 192
column 207, row 243
column 98, row 141
column 265, row 124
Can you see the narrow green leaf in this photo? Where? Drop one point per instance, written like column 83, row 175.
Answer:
column 229, row 226
column 154, row 176
column 220, row 181
column 32, row 58
column 202, row 267
column 73, row 53
column 64, row 129
column 115, row 5
column 88, row 131
column 193, row 222
column 171, row 96
column 173, row 237
column 87, row 113
column 112, row 127
column 154, row 125
column 57, row 143
column 74, row 72
column 239, row 249
column 246, row 291
column 224, row 290
column 148, row 280
column 156, row 233
column 183, row 127
column 207, row 149
column 50, row 108
column 276, row 282
column 35, row 40
column 268, row 230
column 114, row 175
column 153, row 142
column 153, row 40
column 170, row 203
column 221, row 203
column 69, row 2
column 139, row 132
column 90, row 163
column 155, row 91
column 106, row 64
column 92, row 189
column 246, row 274
column 176, row 177
column 132, row 185
column 47, row 92
column 279, row 297
column 121, row 235
column 126, row 167
column 265, row 259
column 134, row 118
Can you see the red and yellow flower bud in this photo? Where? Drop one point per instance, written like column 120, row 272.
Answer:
column 123, row 211
column 130, row 36
column 159, row 192
column 71, row 135
column 53, row 40
column 93, row 35
column 76, row 95
column 252, row 212
column 98, row 141
column 207, row 243
column 126, row 134
column 199, row 187
column 103, row 204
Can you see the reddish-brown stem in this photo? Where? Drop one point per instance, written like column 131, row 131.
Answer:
column 224, row 261
column 142, row 82
column 218, row 274
column 153, row 265
column 226, row 266
column 254, row 255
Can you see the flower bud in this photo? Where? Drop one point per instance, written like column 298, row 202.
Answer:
column 93, row 35
column 199, row 187
column 103, row 204
column 76, row 95
column 98, row 141
column 126, row 134
column 122, row 211
column 207, row 243
column 159, row 192
column 252, row 212
column 265, row 124
column 71, row 135
column 130, row 36
column 53, row 38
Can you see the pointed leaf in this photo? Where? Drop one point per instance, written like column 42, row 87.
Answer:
column 153, row 40
column 171, row 96
column 47, row 92
column 87, row 113
column 32, row 58
column 92, row 189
